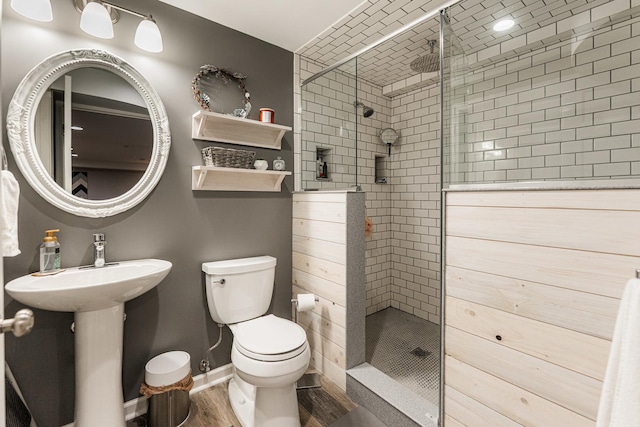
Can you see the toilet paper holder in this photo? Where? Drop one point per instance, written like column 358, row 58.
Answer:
column 311, row 379
column 294, row 301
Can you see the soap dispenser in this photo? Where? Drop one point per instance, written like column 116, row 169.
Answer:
column 50, row 252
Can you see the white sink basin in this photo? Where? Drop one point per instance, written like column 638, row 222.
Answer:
column 87, row 289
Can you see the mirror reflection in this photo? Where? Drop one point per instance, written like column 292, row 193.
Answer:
column 110, row 139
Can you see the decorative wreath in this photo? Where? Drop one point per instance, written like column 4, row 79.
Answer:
column 226, row 76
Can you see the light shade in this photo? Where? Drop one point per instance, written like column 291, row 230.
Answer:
column 95, row 20
column 148, row 36
column 503, row 25
column 40, row 10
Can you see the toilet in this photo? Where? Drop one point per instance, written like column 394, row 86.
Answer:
column 269, row 354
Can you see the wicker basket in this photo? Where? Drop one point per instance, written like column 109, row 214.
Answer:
column 228, row 158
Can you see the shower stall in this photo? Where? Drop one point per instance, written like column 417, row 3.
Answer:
column 373, row 124
column 551, row 102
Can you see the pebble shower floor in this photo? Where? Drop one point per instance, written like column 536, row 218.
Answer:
column 407, row 349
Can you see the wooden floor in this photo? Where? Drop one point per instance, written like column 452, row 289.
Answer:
column 319, row 407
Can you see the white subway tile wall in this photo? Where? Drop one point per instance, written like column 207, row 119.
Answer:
column 562, row 112
column 415, row 197
column 378, row 266
column 402, row 255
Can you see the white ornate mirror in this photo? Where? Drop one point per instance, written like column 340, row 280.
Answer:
column 65, row 126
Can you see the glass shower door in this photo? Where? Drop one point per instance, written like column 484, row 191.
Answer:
column 329, row 150
column 454, row 105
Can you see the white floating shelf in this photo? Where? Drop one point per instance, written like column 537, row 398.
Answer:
column 210, row 126
column 234, row 179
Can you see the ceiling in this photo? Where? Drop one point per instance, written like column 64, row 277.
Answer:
column 471, row 23
column 327, row 31
column 288, row 24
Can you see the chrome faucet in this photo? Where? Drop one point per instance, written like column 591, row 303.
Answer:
column 98, row 242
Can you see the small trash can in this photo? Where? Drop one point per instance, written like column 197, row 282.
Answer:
column 167, row 382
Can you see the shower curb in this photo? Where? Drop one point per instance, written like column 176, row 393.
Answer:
column 393, row 404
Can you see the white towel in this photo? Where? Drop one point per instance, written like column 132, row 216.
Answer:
column 9, row 212
column 620, row 398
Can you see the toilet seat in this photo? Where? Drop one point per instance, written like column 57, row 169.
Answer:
column 270, row 357
column 269, row 338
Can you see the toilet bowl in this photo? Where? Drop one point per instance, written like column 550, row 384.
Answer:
column 269, row 354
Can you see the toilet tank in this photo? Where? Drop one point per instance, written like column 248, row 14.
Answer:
column 246, row 291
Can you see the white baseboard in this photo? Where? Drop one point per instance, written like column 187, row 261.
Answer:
column 212, row 378
column 136, row 407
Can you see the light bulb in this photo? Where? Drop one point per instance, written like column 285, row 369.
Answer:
column 148, row 36
column 39, row 10
column 96, row 21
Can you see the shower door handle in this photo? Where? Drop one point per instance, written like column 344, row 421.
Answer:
column 20, row 325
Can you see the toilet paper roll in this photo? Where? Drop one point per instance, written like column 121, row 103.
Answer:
column 306, row 302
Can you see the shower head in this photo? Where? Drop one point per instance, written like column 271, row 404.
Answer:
column 366, row 111
column 428, row 63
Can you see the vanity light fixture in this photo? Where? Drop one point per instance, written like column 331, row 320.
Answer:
column 39, row 10
column 99, row 16
column 148, row 36
column 503, row 24
column 96, row 21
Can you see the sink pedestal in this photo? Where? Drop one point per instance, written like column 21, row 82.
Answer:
column 98, row 353
column 97, row 297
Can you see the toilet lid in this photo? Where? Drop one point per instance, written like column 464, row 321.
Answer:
column 269, row 335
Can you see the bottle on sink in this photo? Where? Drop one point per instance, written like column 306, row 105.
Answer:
column 50, row 252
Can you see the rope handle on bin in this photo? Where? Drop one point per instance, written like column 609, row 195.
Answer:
column 185, row 384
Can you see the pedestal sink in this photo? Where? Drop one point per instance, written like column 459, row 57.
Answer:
column 97, row 296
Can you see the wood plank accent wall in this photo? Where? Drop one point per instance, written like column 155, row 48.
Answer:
column 533, row 285
column 328, row 261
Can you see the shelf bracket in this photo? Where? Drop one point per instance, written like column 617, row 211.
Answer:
column 201, row 124
column 201, row 178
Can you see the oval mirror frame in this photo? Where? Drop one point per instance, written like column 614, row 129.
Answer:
column 20, row 130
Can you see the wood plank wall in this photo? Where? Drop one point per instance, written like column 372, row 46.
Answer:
column 533, row 282
column 328, row 255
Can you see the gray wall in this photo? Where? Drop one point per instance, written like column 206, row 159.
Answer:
column 173, row 223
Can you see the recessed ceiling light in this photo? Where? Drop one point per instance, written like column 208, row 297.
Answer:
column 503, row 25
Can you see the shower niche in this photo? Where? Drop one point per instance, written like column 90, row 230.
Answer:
column 382, row 169
column 323, row 160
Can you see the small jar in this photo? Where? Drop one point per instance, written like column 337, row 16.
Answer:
column 267, row 115
column 261, row 164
